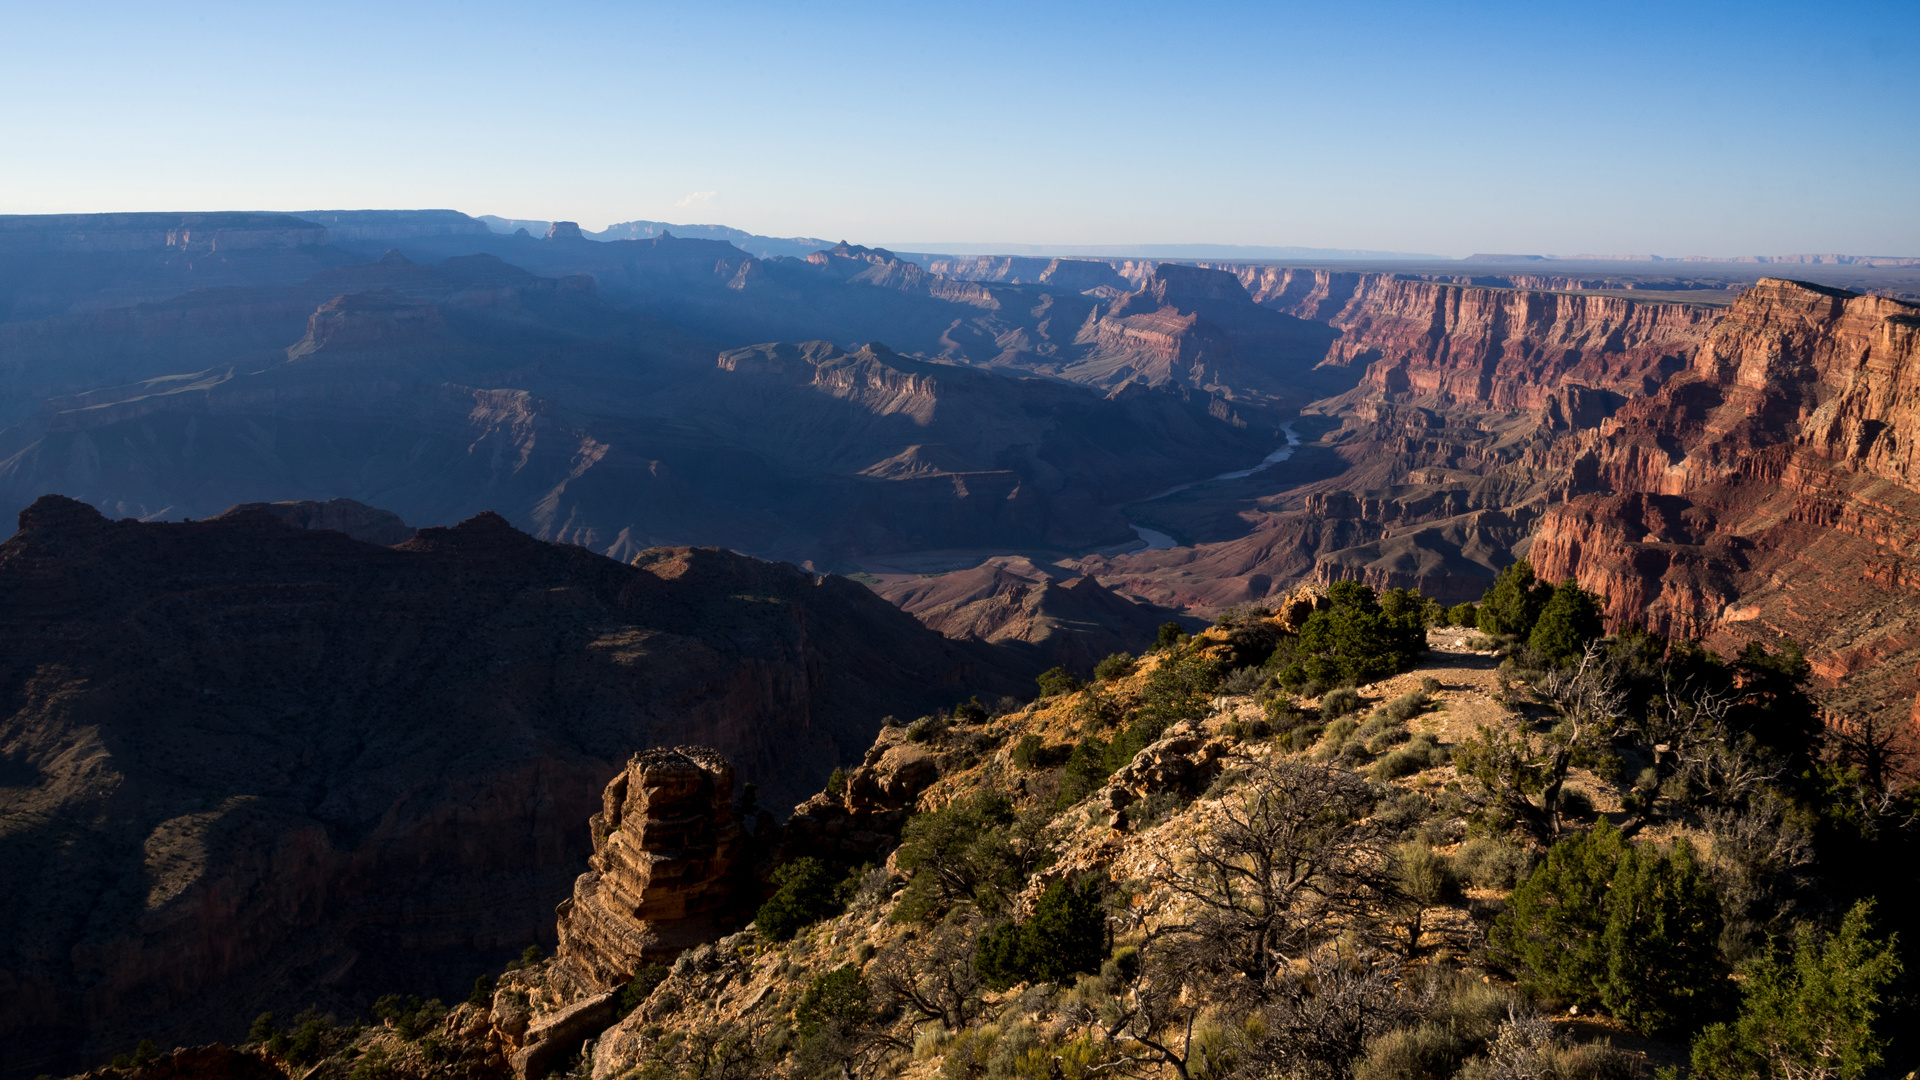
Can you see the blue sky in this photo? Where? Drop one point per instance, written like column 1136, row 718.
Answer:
column 1451, row 128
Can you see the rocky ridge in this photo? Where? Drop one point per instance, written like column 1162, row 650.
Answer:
column 736, row 995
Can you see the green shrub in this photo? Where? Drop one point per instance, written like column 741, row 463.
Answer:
column 1492, row 864
column 837, row 781
column 482, row 993
column 1575, row 805
column 1335, row 739
column 1466, row 614
column 1423, row 752
column 1339, row 731
column 1567, row 622
column 1257, row 728
column 1608, row 923
column 308, row 1043
column 977, row 849
column 1066, row 935
column 1476, row 1009
column 1180, row 688
column 969, row 1053
column 1811, row 1013
column 1282, row 714
column 1514, row 602
column 372, row 1066
column 1358, row 637
column 1032, row 752
column 1086, row 770
column 926, row 728
column 804, row 896
column 1427, row 1052
column 1243, row 681
column 1338, row 703
column 1055, row 681
column 1407, row 706
column 640, row 988
column 1171, row 634
column 1117, row 666
column 1300, row 738
column 262, row 1028
column 410, row 1016
column 1381, row 735
column 837, row 998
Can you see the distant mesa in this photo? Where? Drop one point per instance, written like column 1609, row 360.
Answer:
column 358, row 520
column 565, row 230
column 105, row 233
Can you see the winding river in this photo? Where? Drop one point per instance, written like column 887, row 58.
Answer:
column 1155, row 540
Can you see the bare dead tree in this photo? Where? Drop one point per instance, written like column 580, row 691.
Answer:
column 1760, row 853
column 1319, row 1022
column 1589, row 699
column 1284, row 868
column 714, row 1051
column 1881, row 746
column 933, row 974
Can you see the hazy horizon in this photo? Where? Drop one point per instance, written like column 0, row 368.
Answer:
column 1686, row 130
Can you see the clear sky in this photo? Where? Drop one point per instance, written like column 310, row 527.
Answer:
column 1602, row 127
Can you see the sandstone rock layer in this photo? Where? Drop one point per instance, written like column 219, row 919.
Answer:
column 664, row 843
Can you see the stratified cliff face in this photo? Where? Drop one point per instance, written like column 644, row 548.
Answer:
column 1510, row 349
column 247, row 766
column 1198, row 327
column 664, row 843
column 1434, row 471
column 1771, row 488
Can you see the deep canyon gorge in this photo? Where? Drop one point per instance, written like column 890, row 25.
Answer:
column 351, row 541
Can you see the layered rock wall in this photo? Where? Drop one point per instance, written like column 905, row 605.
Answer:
column 1770, row 489
column 664, row 843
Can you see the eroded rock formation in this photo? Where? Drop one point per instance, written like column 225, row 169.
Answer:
column 664, row 843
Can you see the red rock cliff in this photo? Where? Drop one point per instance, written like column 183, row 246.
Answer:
column 1770, row 488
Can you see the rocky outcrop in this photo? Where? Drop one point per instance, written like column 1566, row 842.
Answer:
column 379, row 228
column 1077, row 274
column 1184, row 760
column 664, row 843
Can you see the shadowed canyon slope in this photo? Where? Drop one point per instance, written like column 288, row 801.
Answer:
column 438, row 391
column 249, row 765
